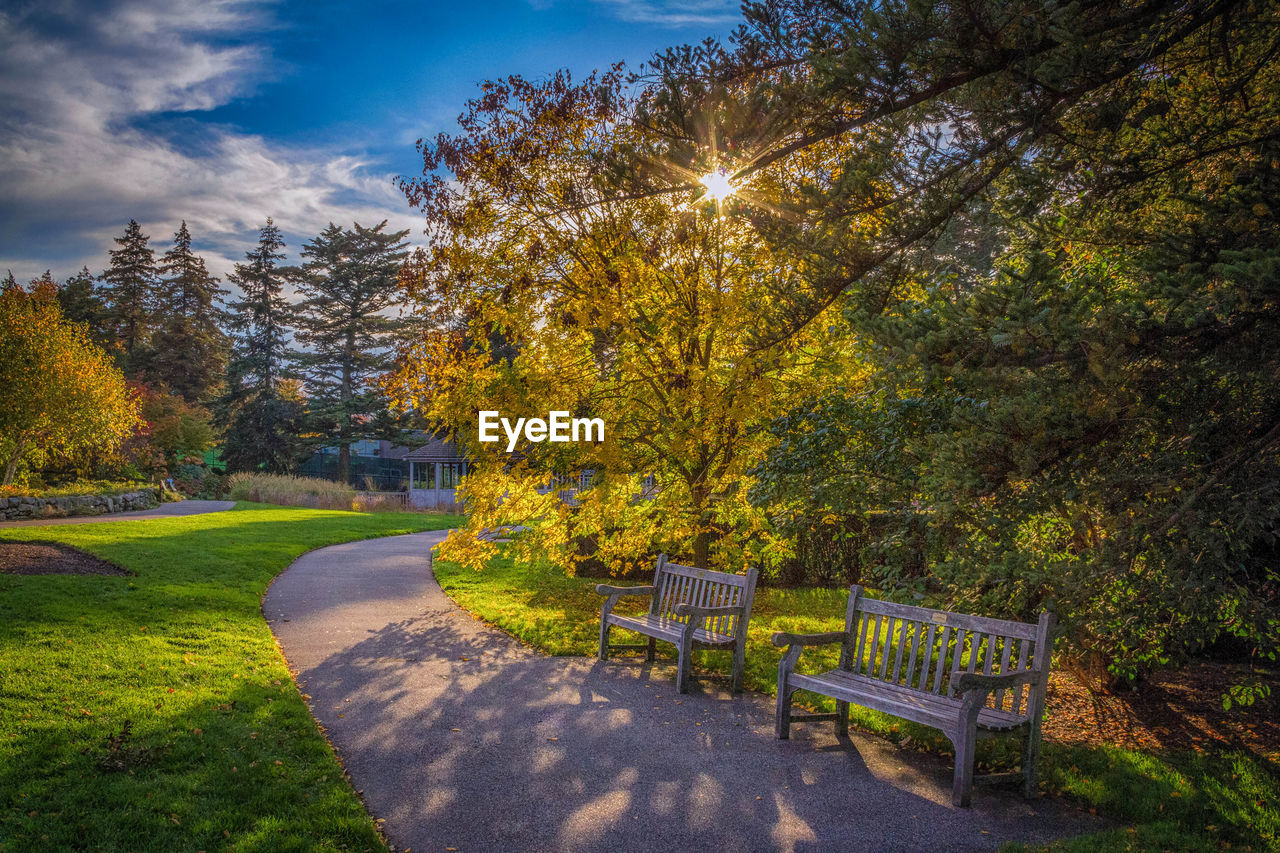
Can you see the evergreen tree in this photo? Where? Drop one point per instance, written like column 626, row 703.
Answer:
column 349, row 280
column 1092, row 422
column 81, row 303
column 191, row 349
column 129, row 292
column 262, row 425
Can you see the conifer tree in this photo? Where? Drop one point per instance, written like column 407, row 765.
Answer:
column 262, row 425
column 191, row 348
column 129, row 291
column 349, row 280
column 81, row 303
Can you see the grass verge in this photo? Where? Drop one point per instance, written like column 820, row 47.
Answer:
column 155, row 712
column 1171, row 800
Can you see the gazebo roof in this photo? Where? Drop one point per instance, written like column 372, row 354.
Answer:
column 436, row 449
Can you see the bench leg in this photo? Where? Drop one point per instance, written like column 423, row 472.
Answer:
column 965, row 741
column 782, row 716
column 962, row 785
column 1031, row 757
column 603, row 654
column 684, row 662
column 651, row 650
column 842, row 718
column 739, row 665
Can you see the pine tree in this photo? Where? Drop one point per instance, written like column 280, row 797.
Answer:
column 191, row 349
column 262, row 425
column 129, row 292
column 349, row 280
column 81, row 303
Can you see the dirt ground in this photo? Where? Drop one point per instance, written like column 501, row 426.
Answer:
column 1179, row 709
column 50, row 558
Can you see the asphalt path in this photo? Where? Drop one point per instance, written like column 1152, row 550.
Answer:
column 459, row 737
column 169, row 510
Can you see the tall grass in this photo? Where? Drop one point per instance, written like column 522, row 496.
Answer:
column 287, row 490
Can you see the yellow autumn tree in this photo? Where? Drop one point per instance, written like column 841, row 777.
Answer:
column 570, row 290
column 59, row 392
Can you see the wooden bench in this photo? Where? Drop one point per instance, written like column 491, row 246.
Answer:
column 968, row 676
column 693, row 608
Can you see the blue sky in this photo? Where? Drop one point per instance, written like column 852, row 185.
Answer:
column 225, row 112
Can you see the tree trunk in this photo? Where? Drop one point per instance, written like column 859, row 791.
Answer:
column 11, row 466
column 344, row 412
column 344, row 464
column 702, row 549
column 702, row 536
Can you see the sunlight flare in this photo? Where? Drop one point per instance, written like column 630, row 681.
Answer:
column 718, row 184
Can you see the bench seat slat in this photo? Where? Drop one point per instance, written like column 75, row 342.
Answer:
column 667, row 628
column 900, row 701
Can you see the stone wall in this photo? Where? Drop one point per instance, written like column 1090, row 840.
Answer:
column 16, row 509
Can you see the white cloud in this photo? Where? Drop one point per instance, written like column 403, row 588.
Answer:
column 675, row 13
column 78, row 159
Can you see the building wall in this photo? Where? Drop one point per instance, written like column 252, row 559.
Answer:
column 433, row 484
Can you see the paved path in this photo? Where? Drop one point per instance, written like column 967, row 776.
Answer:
column 460, row 737
column 162, row 511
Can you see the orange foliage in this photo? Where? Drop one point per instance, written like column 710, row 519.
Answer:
column 59, row 392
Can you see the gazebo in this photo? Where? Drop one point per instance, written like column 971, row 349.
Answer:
column 435, row 469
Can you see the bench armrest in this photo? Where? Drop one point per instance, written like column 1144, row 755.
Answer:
column 690, row 610
column 606, row 589
column 974, row 688
column 967, row 681
column 782, row 638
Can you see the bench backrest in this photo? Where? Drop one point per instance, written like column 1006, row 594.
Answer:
column 922, row 648
column 674, row 584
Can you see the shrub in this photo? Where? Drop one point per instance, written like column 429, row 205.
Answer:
column 380, row 503
column 287, row 490
column 36, row 488
column 213, row 485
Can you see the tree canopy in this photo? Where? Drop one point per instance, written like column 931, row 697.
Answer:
column 349, row 282
column 571, row 295
column 59, row 392
column 191, row 348
column 1069, row 303
column 1000, row 275
column 129, row 292
column 262, row 419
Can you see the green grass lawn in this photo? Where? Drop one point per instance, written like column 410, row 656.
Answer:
column 1170, row 800
column 155, row 712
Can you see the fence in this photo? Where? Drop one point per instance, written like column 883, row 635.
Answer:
column 368, row 474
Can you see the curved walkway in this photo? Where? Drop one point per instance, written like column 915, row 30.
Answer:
column 461, row 738
column 163, row 511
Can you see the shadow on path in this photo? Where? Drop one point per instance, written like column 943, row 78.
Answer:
column 460, row 737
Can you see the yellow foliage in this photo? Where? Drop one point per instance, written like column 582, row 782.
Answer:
column 59, row 392
column 641, row 310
